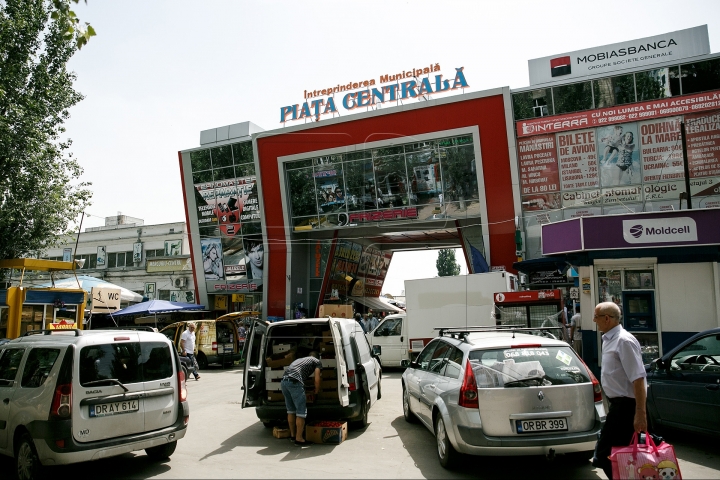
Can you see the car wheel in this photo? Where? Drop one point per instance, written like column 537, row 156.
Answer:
column 446, row 452
column 407, row 413
column 202, row 361
column 363, row 421
column 161, row 452
column 268, row 424
column 27, row 463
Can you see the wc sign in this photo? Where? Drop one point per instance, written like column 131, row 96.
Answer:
column 105, row 300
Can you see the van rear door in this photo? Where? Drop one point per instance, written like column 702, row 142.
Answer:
column 160, row 384
column 254, row 375
column 108, row 388
column 342, row 366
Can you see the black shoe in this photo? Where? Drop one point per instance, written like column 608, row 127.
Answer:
column 302, row 444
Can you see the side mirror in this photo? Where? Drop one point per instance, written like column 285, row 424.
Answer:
column 376, row 350
column 658, row 364
column 414, row 364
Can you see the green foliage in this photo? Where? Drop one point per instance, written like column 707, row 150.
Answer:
column 39, row 192
column 445, row 263
column 69, row 24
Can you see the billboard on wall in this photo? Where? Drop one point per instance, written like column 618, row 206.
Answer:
column 356, row 271
column 612, row 58
column 228, row 203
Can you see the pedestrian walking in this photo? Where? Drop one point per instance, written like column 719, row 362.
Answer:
column 366, row 323
column 576, row 331
column 623, row 379
column 187, row 347
column 293, row 389
column 359, row 319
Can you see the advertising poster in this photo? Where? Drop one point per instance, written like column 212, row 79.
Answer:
column 254, row 257
column 538, row 165
column 655, row 192
column 137, row 252
column 661, row 150
column 618, row 155
column 581, row 198
column 577, row 159
column 542, row 201
column 233, row 253
column 228, row 202
column 212, row 258
column 622, row 195
column 67, row 254
column 101, row 255
column 173, row 248
column 705, row 192
column 702, row 133
column 582, row 212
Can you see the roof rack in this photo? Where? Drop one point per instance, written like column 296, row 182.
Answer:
column 141, row 328
column 462, row 332
column 48, row 331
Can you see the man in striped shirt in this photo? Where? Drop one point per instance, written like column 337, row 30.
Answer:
column 293, row 388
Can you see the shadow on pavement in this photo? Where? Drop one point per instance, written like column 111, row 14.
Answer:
column 693, row 447
column 415, row 439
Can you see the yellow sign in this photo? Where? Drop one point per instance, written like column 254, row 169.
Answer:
column 64, row 324
column 238, row 298
column 586, row 284
column 220, row 302
column 168, row 265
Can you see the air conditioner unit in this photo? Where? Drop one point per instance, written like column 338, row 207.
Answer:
column 181, row 282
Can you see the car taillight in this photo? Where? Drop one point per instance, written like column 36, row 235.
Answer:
column 62, row 401
column 468, row 391
column 597, row 390
column 182, row 387
column 214, row 345
column 351, row 380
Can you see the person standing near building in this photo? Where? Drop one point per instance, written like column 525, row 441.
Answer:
column 293, row 389
column 623, row 380
column 359, row 319
column 372, row 321
column 575, row 331
column 366, row 323
column 187, row 347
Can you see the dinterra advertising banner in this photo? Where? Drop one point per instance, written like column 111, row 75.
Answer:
column 702, row 133
column 538, row 164
column 661, row 149
column 577, row 159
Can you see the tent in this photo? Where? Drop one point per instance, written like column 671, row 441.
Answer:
column 153, row 307
column 87, row 283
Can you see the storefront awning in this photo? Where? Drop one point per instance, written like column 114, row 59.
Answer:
column 376, row 304
column 541, row 264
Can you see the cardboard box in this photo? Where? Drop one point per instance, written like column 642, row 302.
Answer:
column 341, row 311
column 309, row 398
column 271, row 374
column 282, row 348
column 326, row 337
column 272, row 386
column 329, row 395
column 328, row 373
column 328, row 362
column 326, row 432
column 329, row 384
column 326, row 347
column 280, row 359
column 275, row 397
column 281, row 432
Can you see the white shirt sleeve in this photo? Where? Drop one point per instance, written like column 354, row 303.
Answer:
column 631, row 359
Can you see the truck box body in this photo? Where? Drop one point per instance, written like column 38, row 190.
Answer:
column 438, row 302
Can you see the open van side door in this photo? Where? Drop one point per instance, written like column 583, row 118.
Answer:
column 343, row 384
column 254, row 356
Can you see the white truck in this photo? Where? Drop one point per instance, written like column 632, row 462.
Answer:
column 437, row 302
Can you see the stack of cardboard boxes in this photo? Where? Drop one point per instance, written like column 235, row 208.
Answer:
column 283, row 354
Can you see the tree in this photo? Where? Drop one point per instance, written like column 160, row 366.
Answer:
column 445, row 263
column 40, row 194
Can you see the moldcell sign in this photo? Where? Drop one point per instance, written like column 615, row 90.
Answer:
column 618, row 56
column 403, row 85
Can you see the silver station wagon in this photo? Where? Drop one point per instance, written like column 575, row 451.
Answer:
column 500, row 391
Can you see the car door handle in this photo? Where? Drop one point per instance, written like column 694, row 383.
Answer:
column 6, row 401
column 401, row 339
column 712, row 387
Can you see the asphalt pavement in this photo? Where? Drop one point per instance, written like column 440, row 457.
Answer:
column 227, row 441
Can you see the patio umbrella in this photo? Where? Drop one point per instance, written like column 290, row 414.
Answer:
column 153, row 307
column 87, row 283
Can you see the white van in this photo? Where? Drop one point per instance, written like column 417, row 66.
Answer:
column 350, row 375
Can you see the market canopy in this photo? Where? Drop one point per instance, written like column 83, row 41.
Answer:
column 87, row 283
column 157, row 306
column 377, row 304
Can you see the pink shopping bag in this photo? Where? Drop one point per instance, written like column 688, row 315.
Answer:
column 638, row 461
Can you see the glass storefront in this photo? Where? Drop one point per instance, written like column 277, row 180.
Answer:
column 426, row 180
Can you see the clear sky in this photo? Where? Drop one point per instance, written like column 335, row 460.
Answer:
column 161, row 71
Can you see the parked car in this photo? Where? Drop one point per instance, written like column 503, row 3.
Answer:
column 485, row 391
column 350, row 376
column 684, row 385
column 215, row 340
column 72, row 396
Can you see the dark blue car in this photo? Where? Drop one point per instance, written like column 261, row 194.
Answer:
column 684, row 385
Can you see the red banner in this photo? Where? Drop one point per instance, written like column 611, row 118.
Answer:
column 703, row 144
column 538, row 165
column 527, row 296
column 666, row 107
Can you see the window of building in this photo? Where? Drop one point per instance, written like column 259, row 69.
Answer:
column 200, row 160
column 120, row 259
column 614, row 91
column 90, row 260
column 573, row 97
column 242, row 153
column 221, row 157
column 700, row 76
column 657, row 84
column 536, row 103
column 158, row 252
column 163, row 295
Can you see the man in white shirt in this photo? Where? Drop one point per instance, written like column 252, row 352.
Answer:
column 623, row 380
column 575, row 331
column 187, row 347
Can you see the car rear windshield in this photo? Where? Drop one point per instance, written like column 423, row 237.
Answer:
column 131, row 362
column 527, row 366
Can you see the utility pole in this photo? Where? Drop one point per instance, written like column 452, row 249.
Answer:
column 685, row 166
